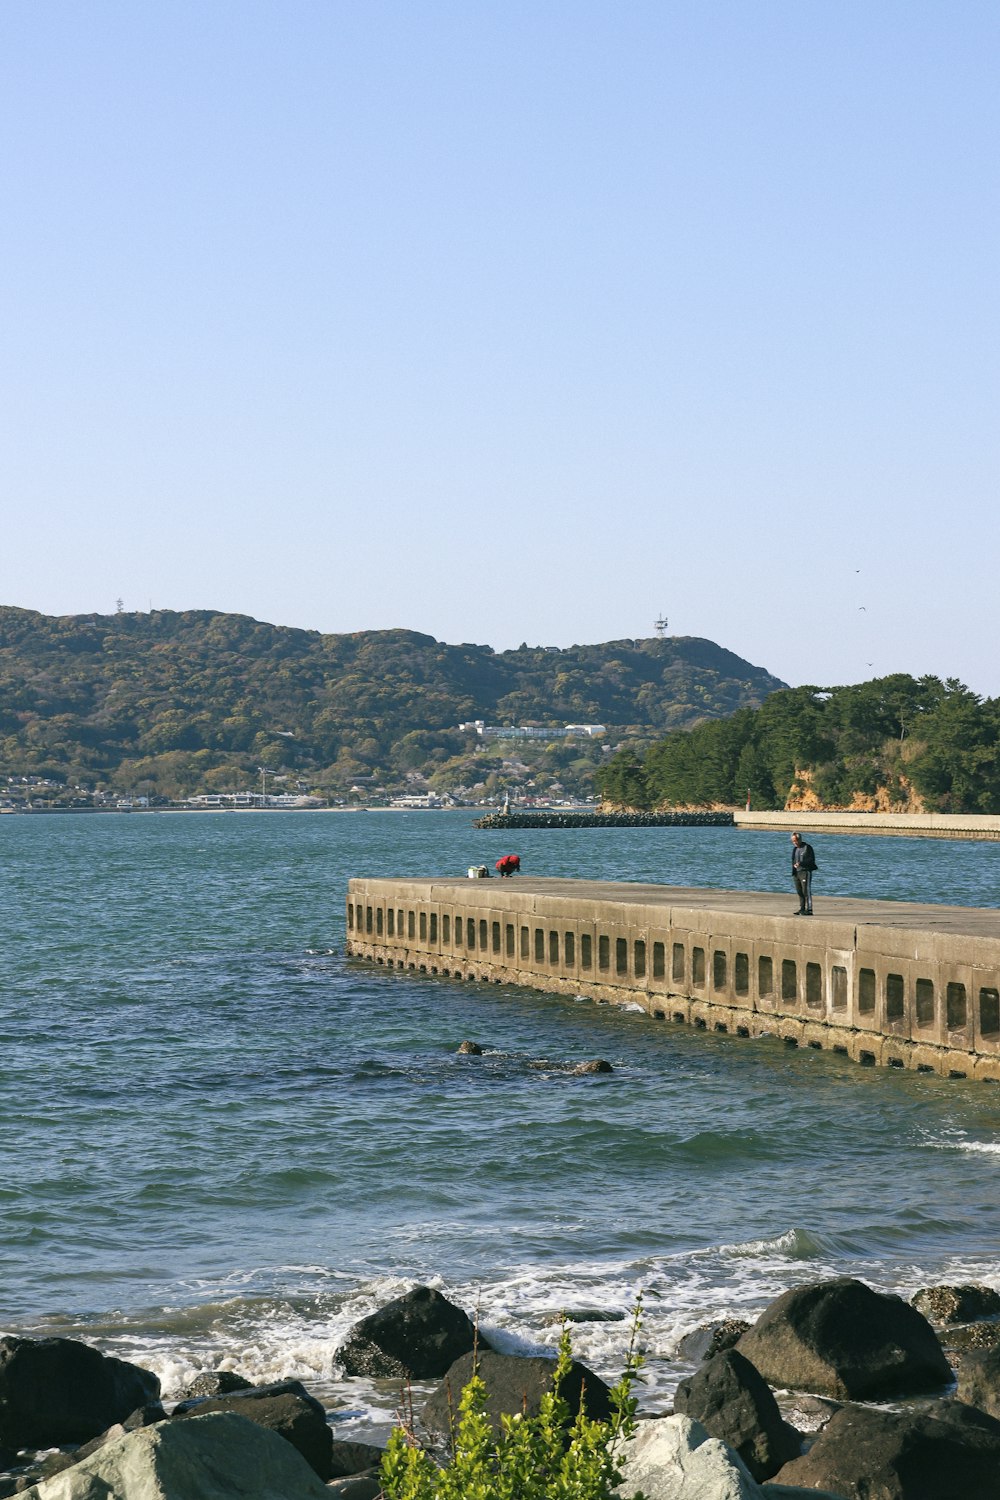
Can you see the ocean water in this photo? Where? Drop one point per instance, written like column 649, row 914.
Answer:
column 223, row 1142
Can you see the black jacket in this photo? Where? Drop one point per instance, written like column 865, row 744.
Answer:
column 803, row 857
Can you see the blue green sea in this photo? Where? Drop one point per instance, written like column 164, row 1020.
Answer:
column 224, row 1142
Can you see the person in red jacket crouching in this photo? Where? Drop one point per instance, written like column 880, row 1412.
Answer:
column 509, row 865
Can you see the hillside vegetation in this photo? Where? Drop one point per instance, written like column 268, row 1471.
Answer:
column 175, row 703
column 896, row 744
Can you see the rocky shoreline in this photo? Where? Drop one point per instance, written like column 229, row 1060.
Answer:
column 76, row 1424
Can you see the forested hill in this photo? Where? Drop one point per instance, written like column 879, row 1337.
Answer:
column 182, row 700
column 896, row 743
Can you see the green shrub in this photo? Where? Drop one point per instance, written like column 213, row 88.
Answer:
column 551, row 1456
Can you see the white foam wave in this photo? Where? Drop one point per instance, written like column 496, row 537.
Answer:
column 975, row 1148
column 267, row 1336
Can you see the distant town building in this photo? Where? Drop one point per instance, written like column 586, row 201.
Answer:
column 486, row 731
column 420, row 799
column 253, row 799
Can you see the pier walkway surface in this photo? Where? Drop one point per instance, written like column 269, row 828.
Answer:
column 897, row 983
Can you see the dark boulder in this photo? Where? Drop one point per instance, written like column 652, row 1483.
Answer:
column 979, row 1380
column 285, row 1408
column 711, row 1338
column 957, row 1304
column 596, row 1065
column 418, row 1336
column 470, row 1049
column 55, row 1391
column 214, row 1383
column 842, row 1339
column 514, row 1384
column 949, row 1452
column 731, row 1401
column 348, row 1458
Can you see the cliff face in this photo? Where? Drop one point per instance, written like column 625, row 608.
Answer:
column 901, row 797
column 894, row 744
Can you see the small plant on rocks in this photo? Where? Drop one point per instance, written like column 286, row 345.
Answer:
column 541, row 1457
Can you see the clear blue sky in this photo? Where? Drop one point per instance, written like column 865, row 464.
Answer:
column 510, row 321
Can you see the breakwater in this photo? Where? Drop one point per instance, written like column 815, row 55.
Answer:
column 892, row 983
column 897, row 825
column 556, row 818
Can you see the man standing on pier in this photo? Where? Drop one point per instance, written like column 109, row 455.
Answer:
column 803, row 865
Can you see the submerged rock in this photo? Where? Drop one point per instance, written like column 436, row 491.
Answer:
column 596, row 1065
column 470, row 1049
column 585, row 1315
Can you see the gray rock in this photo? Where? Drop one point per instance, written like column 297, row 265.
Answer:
column 948, row 1452
column 513, row 1384
column 957, row 1304
column 217, row 1457
column 979, row 1380
column 55, row 1391
column 285, row 1408
column 733, row 1403
column 596, row 1065
column 711, row 1338
column 418, row 1336
column 470, row 1049
column 842, row 1339
column 675, row 1459
column 361, row 1487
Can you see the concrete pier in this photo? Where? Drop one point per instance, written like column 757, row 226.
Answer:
column 890, row 983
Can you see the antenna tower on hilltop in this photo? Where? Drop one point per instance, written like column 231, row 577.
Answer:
column 661, row 626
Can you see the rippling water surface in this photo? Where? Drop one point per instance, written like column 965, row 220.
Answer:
column 223, row 1143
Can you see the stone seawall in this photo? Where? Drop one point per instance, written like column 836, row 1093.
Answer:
column 900, row 825
column 901, row 985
